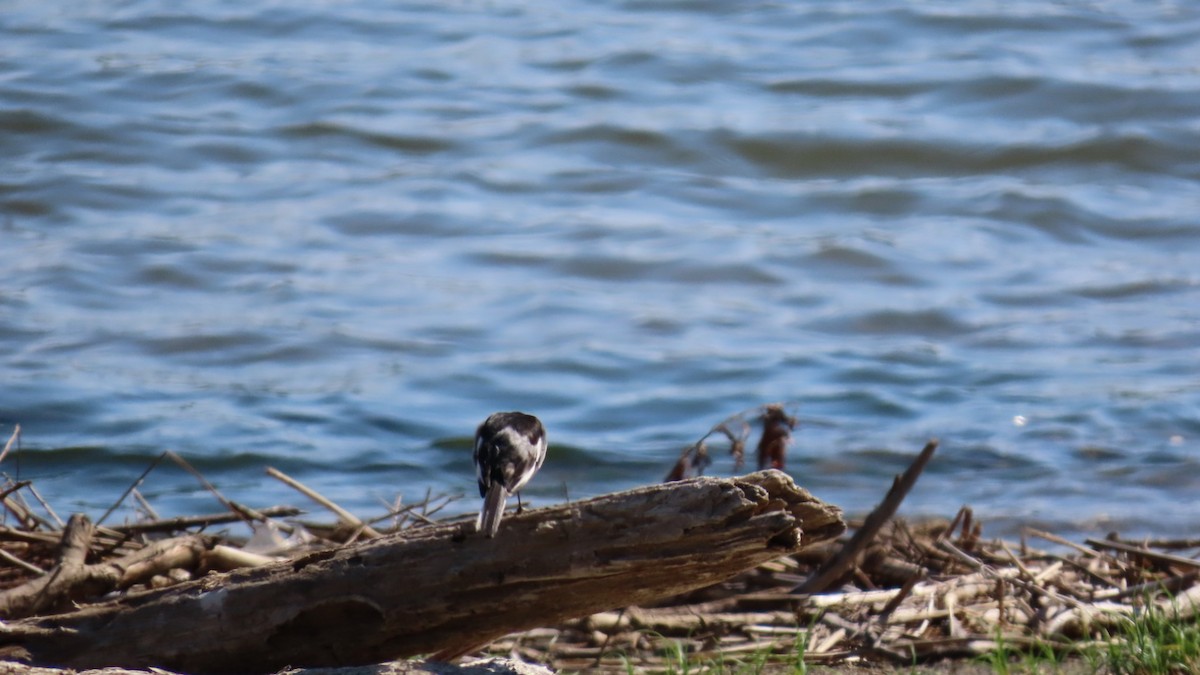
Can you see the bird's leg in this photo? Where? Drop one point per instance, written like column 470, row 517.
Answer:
column 520, row 507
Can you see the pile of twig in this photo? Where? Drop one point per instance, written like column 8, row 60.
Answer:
column 47, row 564
column 916, row 594
column 890, row 593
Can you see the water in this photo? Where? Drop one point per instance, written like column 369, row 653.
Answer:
column 333, row 237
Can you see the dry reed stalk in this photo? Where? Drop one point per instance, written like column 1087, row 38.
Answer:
column 344, row 516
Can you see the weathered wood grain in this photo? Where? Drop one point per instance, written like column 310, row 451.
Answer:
column 443, row 588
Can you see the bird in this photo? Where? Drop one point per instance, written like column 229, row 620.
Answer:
column 509, row 449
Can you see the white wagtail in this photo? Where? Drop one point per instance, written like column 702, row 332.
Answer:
column 509, row 448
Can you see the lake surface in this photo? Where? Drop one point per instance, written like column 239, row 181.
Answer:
column 332, row 237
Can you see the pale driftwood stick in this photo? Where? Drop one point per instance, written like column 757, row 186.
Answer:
column 1049, row 573
column 1055, row 539
column 31, row 537
column 343, row 515
column 846, row 558
column 1012, row 575
column 19, row 510
column 1170, row 585
column 1145, row 553
column 226, row 558
column 830, row 642
column 607, row 636
column 185, row 522
column 46, row 505
column 1088, row 554
column 687, row 623
column 146, row 506
column 1165, row 543
column 17, row 562
column 16, row 435
column 1074, row 621
column 445, row 588
column 159, row 558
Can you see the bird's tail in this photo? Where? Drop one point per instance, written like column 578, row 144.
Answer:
column 493, row 509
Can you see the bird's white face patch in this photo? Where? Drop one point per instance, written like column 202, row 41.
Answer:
column 520, row 441
column 534, row 450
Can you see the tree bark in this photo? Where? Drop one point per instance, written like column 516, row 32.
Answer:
column 444, row 588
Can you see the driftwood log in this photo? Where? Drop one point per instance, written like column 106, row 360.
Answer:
column 488, row 666
column 442, row 589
